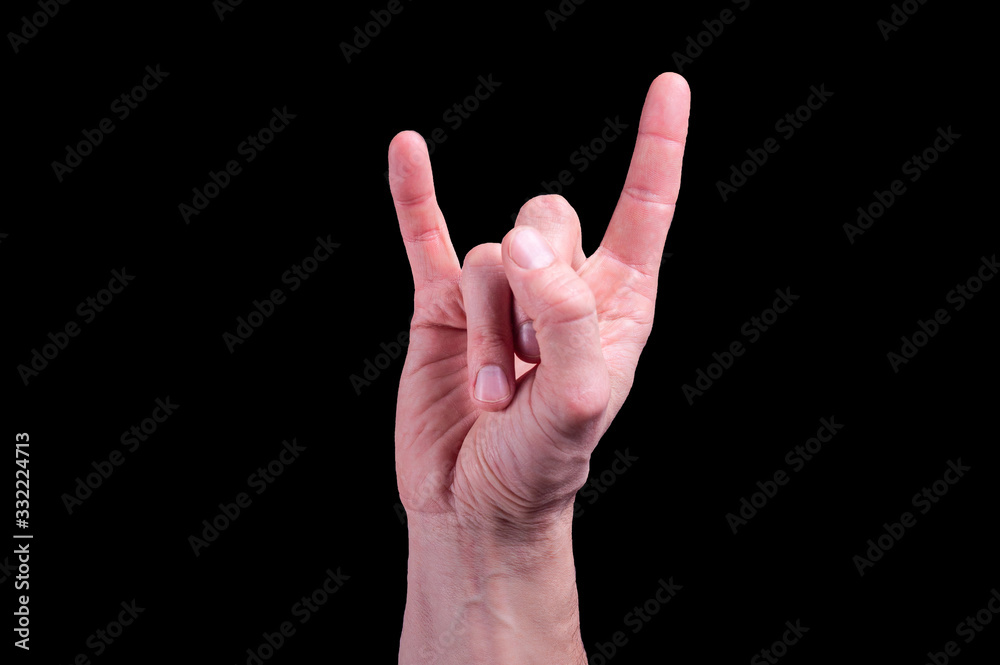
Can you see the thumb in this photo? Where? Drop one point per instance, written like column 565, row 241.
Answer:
column 571, row 388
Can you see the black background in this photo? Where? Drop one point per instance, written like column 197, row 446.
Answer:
column 323, row 176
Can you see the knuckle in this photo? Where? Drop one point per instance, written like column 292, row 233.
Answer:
column 580, row 407
column 566, row 300
column 486, row 254
column 583, row 407
column 490, row 338
column 547, row 206
column 420, row 237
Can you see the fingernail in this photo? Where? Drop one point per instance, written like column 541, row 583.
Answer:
column 491, row 384
column 526, row 340
column 529, row 249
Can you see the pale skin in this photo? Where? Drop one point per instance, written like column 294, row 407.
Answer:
column 488, row 461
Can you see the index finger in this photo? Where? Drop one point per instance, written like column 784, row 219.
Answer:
column 421, row 223
column 638, row 228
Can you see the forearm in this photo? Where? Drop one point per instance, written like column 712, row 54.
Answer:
column 475, row 596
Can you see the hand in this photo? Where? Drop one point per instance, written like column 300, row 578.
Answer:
column 518, row 454
column 491, row 450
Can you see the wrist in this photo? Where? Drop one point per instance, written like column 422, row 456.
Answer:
column 490, row 594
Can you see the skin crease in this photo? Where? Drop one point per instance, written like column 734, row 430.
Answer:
column 489, row 486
